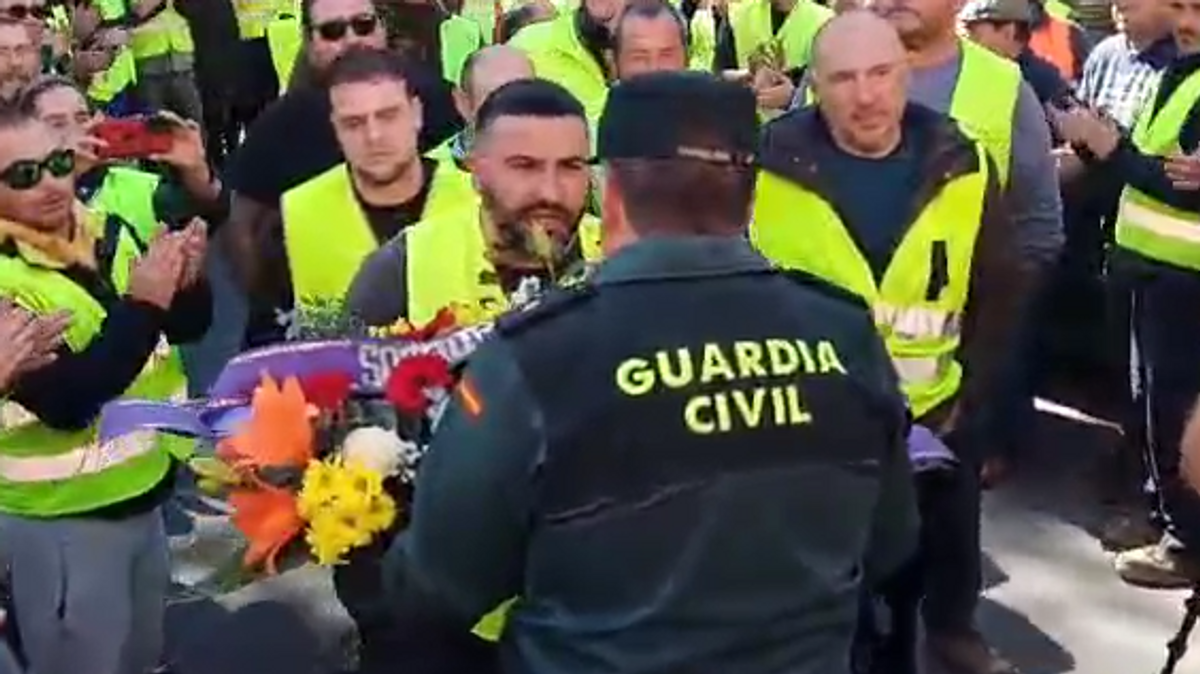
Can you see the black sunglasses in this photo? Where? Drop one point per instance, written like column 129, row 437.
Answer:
column 22, row 12
column 25, row 174
column 336, row 29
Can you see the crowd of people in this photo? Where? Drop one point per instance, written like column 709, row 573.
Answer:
column 795, row 246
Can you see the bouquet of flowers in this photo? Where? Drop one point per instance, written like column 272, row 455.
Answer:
column 317, row 441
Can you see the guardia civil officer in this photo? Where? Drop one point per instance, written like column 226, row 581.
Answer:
column 689, row 462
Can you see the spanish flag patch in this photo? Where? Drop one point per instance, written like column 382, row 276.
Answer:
column 472, row 403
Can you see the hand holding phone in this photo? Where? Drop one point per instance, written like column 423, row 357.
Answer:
column 133, row 137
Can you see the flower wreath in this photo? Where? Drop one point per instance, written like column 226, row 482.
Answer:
column 317, row 442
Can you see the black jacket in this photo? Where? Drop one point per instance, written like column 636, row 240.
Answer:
column 788, row 150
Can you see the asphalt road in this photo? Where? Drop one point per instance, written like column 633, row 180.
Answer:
column 1052, row 605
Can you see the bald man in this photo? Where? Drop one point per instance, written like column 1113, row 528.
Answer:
column 485, row 71
column 893, row 202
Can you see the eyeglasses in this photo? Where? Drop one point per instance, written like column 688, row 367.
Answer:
column 22, row 12
column 335, row 30
column 25, row 174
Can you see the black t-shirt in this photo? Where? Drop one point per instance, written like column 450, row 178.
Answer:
column 293, row 139
column 388, row 221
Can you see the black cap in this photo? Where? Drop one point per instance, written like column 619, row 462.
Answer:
column 672, row 115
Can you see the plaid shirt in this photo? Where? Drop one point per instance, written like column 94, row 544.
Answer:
column 1118, row 79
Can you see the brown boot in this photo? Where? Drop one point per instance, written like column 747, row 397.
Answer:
column 1158, row 566
column 966, row 653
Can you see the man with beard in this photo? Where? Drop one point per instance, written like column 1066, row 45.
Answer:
column 529, row 164
column 573, row 50
column 622, row 453
column 1157, row 259
column 19, row 60
column 384, row 186
column 293, row 141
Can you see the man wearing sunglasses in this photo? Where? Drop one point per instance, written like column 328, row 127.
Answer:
column 81, row 520
column 270, row 161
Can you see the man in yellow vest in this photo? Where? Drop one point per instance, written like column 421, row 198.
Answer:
column 80, row 518
column 892, row 202
column 484, row 72
column 333, row 221
column 768, row 43
column 480, row 254
column 1157, row 260
column 572, row 50
column 162, row 47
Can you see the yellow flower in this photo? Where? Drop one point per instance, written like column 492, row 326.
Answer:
column 329, row 538
column 380, row 513
column 318, row 488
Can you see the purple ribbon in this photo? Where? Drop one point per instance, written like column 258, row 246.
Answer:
column 368, row 362
column 927, row 452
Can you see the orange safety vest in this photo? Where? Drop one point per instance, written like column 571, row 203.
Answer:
column 1052, row 41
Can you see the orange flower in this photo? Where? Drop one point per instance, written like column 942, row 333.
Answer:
column 279, row 431
column 268, row 518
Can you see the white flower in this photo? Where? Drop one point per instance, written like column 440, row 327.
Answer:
column 377, row 449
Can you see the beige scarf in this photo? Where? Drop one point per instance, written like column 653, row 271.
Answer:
column 53, row 250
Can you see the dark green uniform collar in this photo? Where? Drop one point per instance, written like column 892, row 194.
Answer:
column 665, row 257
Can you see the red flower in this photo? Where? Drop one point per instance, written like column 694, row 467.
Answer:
column 443, row 322
column 328, row 391
column 411, row 378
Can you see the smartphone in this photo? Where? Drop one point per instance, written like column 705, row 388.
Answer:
column 134, row 137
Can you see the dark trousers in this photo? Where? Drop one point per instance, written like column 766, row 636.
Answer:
column 950, row 553
column 1167, row 336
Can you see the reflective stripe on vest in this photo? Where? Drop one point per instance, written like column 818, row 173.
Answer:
column 985, row 100
column 327, row 236
column 921, row 334
column 167, row 33
column 460, row 38
column 751, row 24
column 90, row 459
column 1144, row 225
column 557, row 55
column 50, row 473
column 446, row 260
column 1052, row 41
column 253, row 16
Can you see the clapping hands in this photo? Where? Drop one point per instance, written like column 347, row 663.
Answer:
column 27, row 341
column 174, row 262
column 1082, row 126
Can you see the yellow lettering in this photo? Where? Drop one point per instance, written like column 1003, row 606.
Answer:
column 715, row 365
column 797, row 415
column 827, row 357
column 750, row 407
column 635, row 377
column 805, row 352
column 679, row 378
column 724, row 420
column 778, row 406
column 749, row 356
column 782, row 357
column 692, row 418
